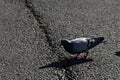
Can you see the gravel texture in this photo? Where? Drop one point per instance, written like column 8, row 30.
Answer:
column 30, row 31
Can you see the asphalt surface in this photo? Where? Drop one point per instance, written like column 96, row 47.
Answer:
column 23, row 47
column 30, row 31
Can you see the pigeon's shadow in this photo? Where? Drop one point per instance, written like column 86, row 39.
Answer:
column 66, row 63
column 117, row 54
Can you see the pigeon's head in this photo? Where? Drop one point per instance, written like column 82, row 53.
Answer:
column 96, row 41
column 100, row 39
column 64, row 42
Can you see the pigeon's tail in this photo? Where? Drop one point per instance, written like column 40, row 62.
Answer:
column 95, row 41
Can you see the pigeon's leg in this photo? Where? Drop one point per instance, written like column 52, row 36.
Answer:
column 86, row 55
column 75, row 56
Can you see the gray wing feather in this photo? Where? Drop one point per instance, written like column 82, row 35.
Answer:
column 79, row 44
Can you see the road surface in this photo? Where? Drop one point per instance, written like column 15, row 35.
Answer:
column 31, row 31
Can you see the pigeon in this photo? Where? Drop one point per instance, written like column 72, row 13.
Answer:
column 80, row 45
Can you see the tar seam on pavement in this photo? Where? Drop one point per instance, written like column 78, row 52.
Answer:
column 43, row 26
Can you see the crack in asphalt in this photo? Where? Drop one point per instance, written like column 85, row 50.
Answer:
column 44, row 27
column 41, row 25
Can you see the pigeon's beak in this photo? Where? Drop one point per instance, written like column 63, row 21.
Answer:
column 105, row 41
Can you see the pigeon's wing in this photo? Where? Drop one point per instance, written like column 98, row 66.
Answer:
column 79, row 45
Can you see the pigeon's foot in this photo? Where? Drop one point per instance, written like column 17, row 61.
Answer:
column 74, row 57
column 77, row 57
column 81, row 57
column 87, row 57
